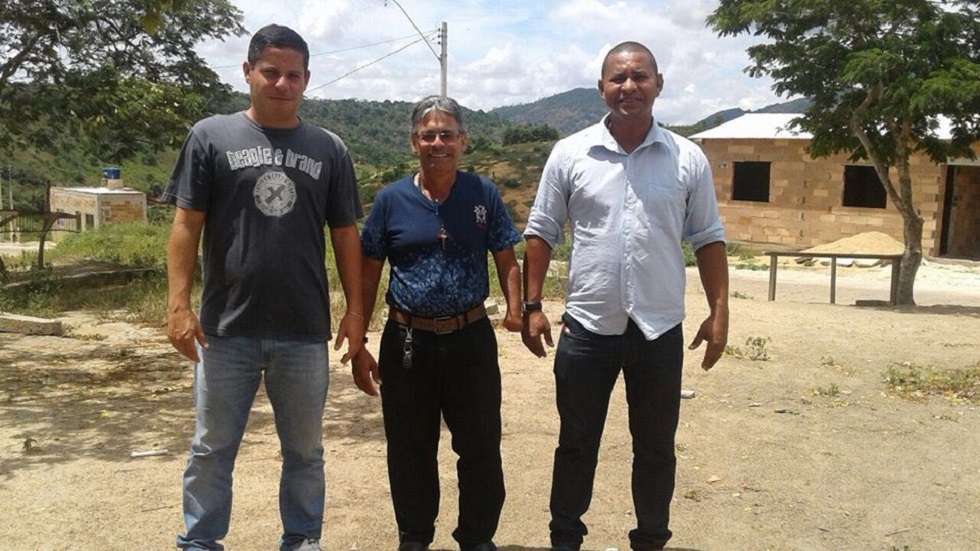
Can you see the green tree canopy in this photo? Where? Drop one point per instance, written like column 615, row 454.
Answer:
column 882, row 74
column 115, row 76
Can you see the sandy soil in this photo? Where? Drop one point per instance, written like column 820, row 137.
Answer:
column 770, row 456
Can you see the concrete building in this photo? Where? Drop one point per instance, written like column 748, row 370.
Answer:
column 94, row 206
column 771, row 191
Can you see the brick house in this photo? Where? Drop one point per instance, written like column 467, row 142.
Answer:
column 770, row 191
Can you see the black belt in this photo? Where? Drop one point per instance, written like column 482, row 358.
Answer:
column 439, row 326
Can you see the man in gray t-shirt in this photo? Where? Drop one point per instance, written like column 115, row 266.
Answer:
column 261, row 186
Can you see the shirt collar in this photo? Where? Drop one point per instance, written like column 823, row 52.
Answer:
column 606, row 139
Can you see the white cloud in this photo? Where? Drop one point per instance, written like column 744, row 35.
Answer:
column 503, row 52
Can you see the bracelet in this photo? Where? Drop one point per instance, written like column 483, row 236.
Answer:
column 355, row 314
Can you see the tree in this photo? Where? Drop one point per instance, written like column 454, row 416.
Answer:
column 882, row 75
column 117, row 77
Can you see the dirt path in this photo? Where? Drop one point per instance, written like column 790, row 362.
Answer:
column 805, row 451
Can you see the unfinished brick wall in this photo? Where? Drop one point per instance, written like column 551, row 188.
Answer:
column 97, row 206
column 805, row 196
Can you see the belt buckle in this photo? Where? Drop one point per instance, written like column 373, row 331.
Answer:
column 444, row 325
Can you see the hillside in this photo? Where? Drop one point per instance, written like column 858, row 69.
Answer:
column 377, row 135
column 572, row 111
column 567, row 112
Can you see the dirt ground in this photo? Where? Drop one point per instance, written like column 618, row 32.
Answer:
column 804, row 451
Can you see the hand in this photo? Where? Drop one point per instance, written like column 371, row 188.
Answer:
column 352, row 329
column 714, row 329
column 513, row 321
column 536, row 325
column 364, row 368
column 185, row 332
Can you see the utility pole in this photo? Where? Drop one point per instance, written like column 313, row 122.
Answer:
column 443, row 58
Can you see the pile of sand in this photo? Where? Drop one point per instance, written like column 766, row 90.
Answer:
column 863, row 243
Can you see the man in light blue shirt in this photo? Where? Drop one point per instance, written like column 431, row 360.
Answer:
column 632, row 192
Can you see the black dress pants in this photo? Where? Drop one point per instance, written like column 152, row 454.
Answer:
column 455, row 377
column 586, row 368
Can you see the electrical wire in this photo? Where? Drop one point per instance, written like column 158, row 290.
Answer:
column 347, row 74
column 416, row 27
column 341, row 50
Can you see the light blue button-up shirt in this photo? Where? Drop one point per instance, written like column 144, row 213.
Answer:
column 629, row 214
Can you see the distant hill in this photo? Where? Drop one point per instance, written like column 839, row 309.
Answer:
column 793, row 106
column 567, row 112
column 571, row 111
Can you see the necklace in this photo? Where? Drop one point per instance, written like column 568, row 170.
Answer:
column 442, row 235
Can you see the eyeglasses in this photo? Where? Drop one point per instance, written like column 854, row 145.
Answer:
column 447, row 136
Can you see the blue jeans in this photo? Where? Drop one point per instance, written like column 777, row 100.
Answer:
column 225, row 383
column 586, row 368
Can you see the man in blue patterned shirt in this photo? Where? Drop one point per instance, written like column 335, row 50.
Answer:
column 438, row 352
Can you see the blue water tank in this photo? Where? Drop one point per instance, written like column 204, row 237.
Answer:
column 111, row 173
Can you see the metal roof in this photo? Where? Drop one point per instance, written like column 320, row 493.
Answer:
column 756, row 126
column 771, row 126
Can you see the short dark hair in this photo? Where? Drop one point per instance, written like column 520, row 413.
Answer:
column 277, row 36
column 632, row 48
column 444, row 104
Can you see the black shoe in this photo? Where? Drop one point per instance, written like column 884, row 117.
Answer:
column 485, row 546
column 413, row 546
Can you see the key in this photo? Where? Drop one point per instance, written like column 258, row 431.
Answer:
column 407, row 349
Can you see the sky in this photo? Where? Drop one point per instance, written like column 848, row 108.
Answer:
column 503, row 52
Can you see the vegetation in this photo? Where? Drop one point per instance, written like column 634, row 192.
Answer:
column 916, row 382
column 830, row 391
column 44, row 292
column 756, row 349
column 110, row 78
column 881, row 76
column 524, row 134
column 377, row 134
column 567, row 112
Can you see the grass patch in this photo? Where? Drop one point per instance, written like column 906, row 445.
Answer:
column 136, row 245
column 830, row 391
column 914, row 382
column 143, row 300
column 756, row 349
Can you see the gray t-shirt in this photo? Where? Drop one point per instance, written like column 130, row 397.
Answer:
column 267, row 194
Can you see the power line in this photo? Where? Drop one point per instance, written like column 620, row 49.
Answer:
column 342, row 49
column 366, row 45
column 416, row 27
column 347, row 74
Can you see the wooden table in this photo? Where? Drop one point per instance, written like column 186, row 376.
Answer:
column 895, row 260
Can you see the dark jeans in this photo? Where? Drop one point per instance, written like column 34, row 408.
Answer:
column 586, row 368
column 456, row 376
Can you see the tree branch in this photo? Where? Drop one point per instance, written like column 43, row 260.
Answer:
column 857, row 118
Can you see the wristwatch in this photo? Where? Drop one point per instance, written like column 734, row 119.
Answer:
column 531, row 307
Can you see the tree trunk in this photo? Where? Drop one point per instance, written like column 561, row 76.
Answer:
column 40, row 251
column 911, row 220
column 911, row 257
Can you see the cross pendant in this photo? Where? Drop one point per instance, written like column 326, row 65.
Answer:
column 443, row 236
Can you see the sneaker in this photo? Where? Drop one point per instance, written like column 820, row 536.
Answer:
column 308, row 545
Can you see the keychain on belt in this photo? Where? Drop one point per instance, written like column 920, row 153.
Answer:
column 407, row 349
